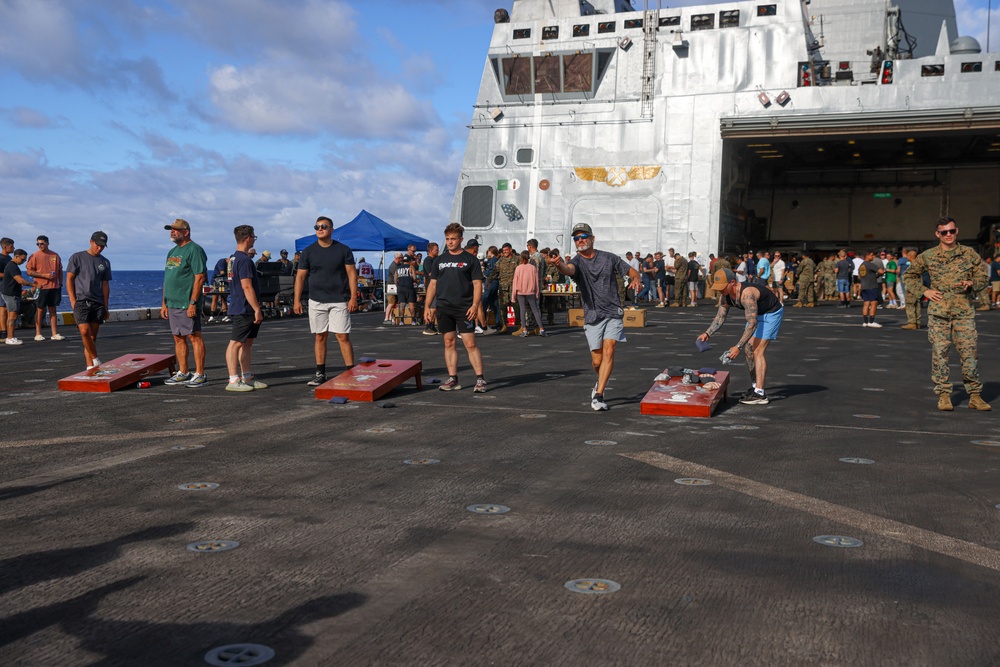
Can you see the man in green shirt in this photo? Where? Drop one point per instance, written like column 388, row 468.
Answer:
column 183, row 278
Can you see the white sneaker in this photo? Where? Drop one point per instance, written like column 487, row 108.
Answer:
column 597, row 403
column 864, row 324
column 39, row 337
column 479, row 330
column 13, row 341
column 875, row 325
column 58, row 337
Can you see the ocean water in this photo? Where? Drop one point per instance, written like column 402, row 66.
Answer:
column 131, row 289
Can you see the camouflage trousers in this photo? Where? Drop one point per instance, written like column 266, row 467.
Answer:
column 681, row 291
column 807, row 290
column 913, row 310
column 942, row 332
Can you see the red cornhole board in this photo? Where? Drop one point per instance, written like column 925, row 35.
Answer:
column 117, row 373
column 369, row 382
column 675, row 399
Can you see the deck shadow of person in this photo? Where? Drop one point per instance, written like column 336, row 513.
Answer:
column 11, row 492
column 136, row 642
column 28, row 569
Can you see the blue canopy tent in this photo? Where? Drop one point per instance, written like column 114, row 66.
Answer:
column 369, row 232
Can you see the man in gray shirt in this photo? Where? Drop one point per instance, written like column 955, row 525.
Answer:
column 88, row 274
column 597, row 272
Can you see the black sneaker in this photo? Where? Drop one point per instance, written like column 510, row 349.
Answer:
column 755, row 399
column 318, row 379
column 748, row 393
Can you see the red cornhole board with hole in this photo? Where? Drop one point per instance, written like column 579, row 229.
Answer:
column 117, row 373
column 371, row 381
column 673, row 398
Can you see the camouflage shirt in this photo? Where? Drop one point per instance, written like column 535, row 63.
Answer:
column 680, row 268
column 505, row 269
column 807, row 269
column 946, row 269
column 826, row 267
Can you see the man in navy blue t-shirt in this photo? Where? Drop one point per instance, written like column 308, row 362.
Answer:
column 244, row 309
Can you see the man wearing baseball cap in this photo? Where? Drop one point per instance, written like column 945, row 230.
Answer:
column 183, row 278
column 597, row 273
column 763, row 312
column 88, row 277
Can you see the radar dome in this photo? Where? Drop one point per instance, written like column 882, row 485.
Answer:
column 965, row 45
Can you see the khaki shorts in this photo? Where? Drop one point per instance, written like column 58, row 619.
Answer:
column 325, row 317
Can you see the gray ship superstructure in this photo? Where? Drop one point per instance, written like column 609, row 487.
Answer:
column 726, row 126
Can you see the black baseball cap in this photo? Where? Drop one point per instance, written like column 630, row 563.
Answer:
column 472, row 243
column 100, row 238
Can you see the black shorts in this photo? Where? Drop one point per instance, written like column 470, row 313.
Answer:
column 406, row 294
column 454, row 320
column 48, row 298
column 244, row 328
column 88, row 312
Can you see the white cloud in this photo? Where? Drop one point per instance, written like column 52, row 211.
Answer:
column 29, row 118
column 273, row 100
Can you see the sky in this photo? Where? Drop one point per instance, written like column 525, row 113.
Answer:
column 122, row 115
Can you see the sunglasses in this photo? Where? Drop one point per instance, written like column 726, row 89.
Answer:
column 40, row 243
column 948, row 231
column 581, row 237
column 319, row 227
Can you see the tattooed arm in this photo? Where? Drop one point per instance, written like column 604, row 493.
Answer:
column 720, row 319
column 749, row 300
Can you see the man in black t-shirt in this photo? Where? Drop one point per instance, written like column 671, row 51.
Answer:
column 333, row 294
column 13, row 284
column 430, row 329
column 456, row 290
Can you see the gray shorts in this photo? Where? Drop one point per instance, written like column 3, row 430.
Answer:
column 610, row 328
column 181, row 324
column 12, row 303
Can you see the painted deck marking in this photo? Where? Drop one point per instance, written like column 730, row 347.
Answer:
column 871, row 523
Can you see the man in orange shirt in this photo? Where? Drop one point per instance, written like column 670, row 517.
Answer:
column 46, row 268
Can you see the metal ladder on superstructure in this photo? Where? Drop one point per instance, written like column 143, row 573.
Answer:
column 650, row 25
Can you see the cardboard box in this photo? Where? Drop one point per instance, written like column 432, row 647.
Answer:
column 634, row 318
column 576, row 317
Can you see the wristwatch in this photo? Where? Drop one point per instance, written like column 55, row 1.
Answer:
column 193, row 302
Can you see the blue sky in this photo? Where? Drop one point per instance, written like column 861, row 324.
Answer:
column 122, row 115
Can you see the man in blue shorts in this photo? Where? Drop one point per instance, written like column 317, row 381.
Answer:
column 868, row 274
column 844, row 268
column 597, row 272
column 763, row 311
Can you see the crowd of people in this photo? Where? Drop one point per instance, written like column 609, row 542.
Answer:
column 465, row 294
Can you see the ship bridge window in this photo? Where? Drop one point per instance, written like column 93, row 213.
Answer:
column 767, row 10
column 522, row 33
column 666, row 21
column 550, row 32
column 547, row 74
column 477, row 206
column 571, row 75
column 517, row 76
column 524, row 155
column 932, row 70
column 578, row 73
column 633, row 23
column 996, row 66
column 729, row 18
column 581, row 30
column 972, row 67
column 702, row 21
column 606, row 26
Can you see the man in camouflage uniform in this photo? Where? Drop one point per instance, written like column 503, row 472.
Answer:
column 912, row 302
column 680, row 280
column 505, row 270
column 805, row 277
column 956, row 271
column 827, row 282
